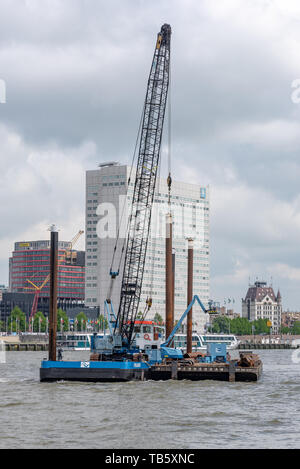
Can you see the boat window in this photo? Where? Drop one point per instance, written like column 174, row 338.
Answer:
column 137, row 329
column 147, row 329
column 180, row 342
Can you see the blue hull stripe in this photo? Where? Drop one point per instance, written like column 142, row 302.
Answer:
column 96, row 365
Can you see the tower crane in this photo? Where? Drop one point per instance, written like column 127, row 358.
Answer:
column 143, row 194
column 36, row 298
column 69, row 253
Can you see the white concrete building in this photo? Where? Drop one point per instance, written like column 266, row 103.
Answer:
column 108, row 196
column 261, row 303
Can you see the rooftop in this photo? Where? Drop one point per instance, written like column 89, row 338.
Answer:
column 260, row 290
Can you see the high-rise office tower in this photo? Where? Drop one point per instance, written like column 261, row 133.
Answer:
column 108, row 197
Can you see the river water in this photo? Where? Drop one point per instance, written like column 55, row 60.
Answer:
column 149, row 415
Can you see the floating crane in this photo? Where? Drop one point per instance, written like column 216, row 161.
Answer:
column 121, row 325
column 116, row 357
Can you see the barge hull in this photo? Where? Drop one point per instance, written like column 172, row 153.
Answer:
column 103, row 372
column 200, row 373
column 92, row 372
column 89, row 375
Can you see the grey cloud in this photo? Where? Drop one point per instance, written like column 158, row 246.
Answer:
column 76, row 72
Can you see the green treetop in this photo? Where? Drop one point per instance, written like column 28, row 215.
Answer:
column 81, row 322
column 62, row 321
column 17, row 320
column 39, row 322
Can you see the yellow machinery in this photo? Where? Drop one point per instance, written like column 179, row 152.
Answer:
column 70, row 256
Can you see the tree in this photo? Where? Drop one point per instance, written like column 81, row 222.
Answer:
column 285, row 330
column 221, row 324
column 17, row 320
column 158, row 319
column 296, row 328
column 261, row 326
column 103, row 323
column 39, row 322
column 81, row 322
column 62, row 321
column 240, row 326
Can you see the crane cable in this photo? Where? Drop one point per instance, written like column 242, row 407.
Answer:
column 112, row 273
column 169, row 181
column 131, row 171
column 149, row 301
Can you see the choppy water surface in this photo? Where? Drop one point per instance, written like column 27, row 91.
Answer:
column 151, row 415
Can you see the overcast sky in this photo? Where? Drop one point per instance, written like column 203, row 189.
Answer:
column 76, row 73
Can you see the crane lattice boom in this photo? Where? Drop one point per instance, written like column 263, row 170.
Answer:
column 146, row 175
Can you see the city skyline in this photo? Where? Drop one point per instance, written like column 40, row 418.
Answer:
column 235, row 122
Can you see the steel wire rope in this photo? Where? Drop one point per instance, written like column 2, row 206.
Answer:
column 125, row 201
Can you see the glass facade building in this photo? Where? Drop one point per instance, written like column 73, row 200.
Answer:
column 30, row 261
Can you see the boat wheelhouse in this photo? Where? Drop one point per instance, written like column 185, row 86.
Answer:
column 148, row 333
column 200, row 342
column 74, row 341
